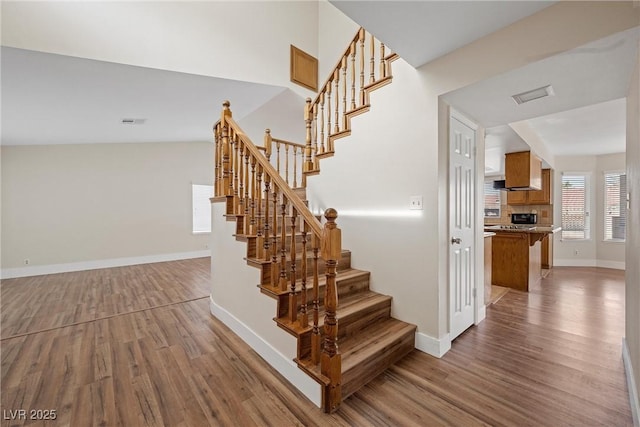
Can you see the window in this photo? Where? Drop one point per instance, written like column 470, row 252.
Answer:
column 491, row 201
column 615, row 206
column 200, row 195
column 575, row 206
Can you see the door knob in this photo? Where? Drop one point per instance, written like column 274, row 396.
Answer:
column 455, row 240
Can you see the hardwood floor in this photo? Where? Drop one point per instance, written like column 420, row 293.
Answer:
column 549, row 357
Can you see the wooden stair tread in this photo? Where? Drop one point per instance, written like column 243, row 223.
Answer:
column 341, row 277
column 368, row 354
column 347, row 306
column 372, row 340
column 258, row 261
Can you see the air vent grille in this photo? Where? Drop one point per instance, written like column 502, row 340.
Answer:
column 128, row 121
column 530, row 95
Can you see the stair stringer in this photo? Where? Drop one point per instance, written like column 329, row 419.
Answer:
column 236, row 302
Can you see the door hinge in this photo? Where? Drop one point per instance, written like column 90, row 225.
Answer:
column 474, row 292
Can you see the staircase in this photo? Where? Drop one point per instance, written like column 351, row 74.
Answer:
column 345, row 333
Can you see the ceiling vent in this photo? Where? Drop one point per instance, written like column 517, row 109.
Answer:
column 530, row 95
column 133, row 121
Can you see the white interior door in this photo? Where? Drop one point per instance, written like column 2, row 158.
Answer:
column 462, row 142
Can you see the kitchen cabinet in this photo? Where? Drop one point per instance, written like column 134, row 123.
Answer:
column 534, row 197
column 487, row 267
column 516, row 260
column 523, row 170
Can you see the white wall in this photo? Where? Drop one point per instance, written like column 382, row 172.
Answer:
column 78, row 204
column 632, row 294
column 247, row 41
column 594, row 251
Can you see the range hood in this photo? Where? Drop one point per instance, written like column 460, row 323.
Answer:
column 500, row 184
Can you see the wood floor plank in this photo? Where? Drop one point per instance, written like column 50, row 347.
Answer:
column 133, row 355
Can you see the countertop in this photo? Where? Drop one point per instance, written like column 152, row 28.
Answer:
column 489, row 234
column 544, row 229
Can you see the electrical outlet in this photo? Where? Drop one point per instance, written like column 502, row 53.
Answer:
column 575, row 252
column 415, row 202
column 26, row 261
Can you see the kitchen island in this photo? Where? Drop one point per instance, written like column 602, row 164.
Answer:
column 516, row 256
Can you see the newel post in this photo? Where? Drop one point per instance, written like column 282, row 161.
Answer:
column 267, row 143
column 308, row 149
column 226, row 150
column 330, row 360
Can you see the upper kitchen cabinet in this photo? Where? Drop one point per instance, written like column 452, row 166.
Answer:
column 523, row 171
column 542, row 196
column 534, row 197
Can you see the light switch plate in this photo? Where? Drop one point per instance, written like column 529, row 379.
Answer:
column 415, row 202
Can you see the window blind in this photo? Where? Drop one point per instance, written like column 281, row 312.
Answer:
column 491, row 201
column 615, row 206
column 575, row 214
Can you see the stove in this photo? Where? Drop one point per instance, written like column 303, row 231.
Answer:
column 513, row 227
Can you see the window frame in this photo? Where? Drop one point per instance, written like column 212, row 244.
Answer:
column 199, row 190
column 622, row 204
column 587, row 229
column 484, row 199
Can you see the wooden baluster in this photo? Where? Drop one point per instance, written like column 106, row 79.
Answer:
column 372, row 67
column 231, row 160
column 316, row 338
column 383, row 66
column 336, row 78
column 293, row 299
column 344, row 93
column 283, row 249
column 236, row 206
column 322, row 146
column 315, row 135
column 246, row 192
column 259, row 223
column 268, row 141
column 361, row 67
column 242, row 201
column 286, row 163
column 216, row 160
column 267, row 226
column 295, row 166
column 330, row 360
column 252, row 222
column 328, row 92
column 304, row 317
column 274, row 240
column 353, row 75
column 278, row 157
column 226, row 149
column 308, row 148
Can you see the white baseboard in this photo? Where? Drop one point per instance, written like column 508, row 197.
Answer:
column 433, row 346
column 39, row 270
column 568, row 262
column 618, row 265
column 284, row 365
column 634, row 398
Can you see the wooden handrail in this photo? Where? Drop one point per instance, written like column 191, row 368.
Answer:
column 298, row 204
column 331, row 110
column 344, row 54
